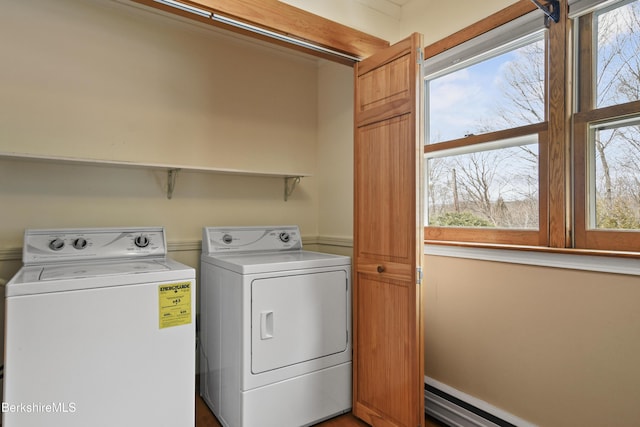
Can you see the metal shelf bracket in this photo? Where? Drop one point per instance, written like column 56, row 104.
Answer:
column 172, row 174
column 290, row 183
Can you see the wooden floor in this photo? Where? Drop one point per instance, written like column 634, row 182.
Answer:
column 204, row 418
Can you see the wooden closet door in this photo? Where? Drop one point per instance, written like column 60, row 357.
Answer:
column 388, row 371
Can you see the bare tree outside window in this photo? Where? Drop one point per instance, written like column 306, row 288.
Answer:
column 497, row 187
column 616, row 184
column 493, row 188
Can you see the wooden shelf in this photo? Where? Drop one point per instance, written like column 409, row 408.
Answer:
column 291, row 179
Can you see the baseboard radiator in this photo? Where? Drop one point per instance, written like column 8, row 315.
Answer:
column 457, row 409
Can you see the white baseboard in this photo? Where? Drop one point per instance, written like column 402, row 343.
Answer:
column 458, row 409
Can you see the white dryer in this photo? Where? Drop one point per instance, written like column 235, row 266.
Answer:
column 100, row 331
column 275, row 328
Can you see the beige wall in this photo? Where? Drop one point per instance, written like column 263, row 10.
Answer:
column 436, row 19
column 99, row 79
column 335, row 150
column 44, row 195
column 555, row 347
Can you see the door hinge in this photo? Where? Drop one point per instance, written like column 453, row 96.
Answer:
column 420, row 58
column 419, row 275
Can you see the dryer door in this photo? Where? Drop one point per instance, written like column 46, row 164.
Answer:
column 297, row 318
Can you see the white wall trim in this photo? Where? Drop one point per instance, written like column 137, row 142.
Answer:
column 11, row 254
column 184, row 245
column 603, row 264
column 345, row 242
column 480, row 404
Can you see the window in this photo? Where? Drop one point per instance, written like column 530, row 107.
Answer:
column 492, row 185
column 607, row 128
column 501, row 89
column 617, row 49
column 486, row 136
column 517, row 152
column 614, row 175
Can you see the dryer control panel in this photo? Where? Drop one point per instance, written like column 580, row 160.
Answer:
column 251, row 239
column 59, row 245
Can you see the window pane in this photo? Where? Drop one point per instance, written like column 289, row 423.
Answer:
column 501, row 92
column 615, row 186
column 489, row 189
column 618, row 55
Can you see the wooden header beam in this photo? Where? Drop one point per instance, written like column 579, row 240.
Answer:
column 285, row 20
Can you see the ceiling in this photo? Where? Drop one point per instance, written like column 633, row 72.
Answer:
column 399, row 2
column 391, row 8
column 380, row 18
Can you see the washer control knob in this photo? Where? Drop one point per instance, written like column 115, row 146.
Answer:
column 284, row 237
column 56, row 244
column 80, row 243
column 141, row 241
column 227, row 239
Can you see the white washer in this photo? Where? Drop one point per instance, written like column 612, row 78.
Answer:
column 100, row 331
column 275, row 328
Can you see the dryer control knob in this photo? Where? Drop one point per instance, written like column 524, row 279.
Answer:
column 284, row 237
column 56, row 244
column 227, row 239
column 141, row 241
column 80, row 243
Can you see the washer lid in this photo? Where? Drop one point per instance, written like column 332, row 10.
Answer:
column 264, row 262
column 48, row 278
column 75, row 271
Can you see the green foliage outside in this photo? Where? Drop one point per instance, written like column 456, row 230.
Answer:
column 460, row 219
column 617, row 215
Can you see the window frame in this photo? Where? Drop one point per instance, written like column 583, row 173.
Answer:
column 482, row 31
column 499, row 235
column 585, row 116
column 564, row 138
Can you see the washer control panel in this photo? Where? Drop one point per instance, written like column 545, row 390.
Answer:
column 251, row 239
column 42, row 246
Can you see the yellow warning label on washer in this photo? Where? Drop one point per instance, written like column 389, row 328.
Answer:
column 174, row 304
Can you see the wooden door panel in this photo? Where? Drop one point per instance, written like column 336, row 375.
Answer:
column 385, row 90
column 384, row 56
column 385, row 356
column 388, row 371
column 386, row 191
column 392, row 270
